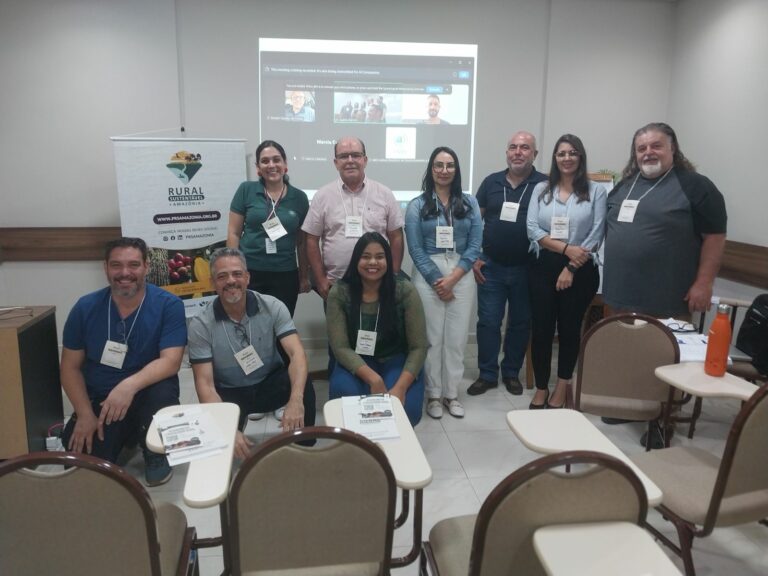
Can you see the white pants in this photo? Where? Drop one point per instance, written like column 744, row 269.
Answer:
column 447, row 328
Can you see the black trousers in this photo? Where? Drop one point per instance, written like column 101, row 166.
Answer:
column 134, row 426
column 270, row 394
column 562, row 309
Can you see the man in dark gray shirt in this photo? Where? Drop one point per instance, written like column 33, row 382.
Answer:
column 666, row 228
column 665, row 235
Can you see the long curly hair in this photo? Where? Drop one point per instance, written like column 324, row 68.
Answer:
column 678, row 158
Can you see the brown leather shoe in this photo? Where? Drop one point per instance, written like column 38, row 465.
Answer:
column 480, row 386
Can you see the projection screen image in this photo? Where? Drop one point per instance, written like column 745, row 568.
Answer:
column 401, row 99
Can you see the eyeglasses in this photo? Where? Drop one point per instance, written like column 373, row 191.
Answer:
column 350, row 155
column 681, row 327
column 242, row 334
column 568, row 153
column 440, row 166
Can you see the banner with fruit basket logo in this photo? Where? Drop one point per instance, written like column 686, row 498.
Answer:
column 175, row 195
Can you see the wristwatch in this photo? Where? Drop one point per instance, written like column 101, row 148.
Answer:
column 571, row 269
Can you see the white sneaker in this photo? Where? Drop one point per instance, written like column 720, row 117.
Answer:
column 256, row 416
column 279, row 414
column 434, row 408
column 455, row 408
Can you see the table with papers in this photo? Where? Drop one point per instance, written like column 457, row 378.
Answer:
column 407, row 459
column 208, row 477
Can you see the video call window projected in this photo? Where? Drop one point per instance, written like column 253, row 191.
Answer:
column 401, row 99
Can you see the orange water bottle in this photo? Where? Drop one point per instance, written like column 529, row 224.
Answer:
column 719, row 341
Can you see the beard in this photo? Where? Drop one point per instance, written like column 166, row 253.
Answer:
column 651, row 169
column 126, row 291
column 232, row 297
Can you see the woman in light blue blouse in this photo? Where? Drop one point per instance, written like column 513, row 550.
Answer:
column 566, row 226
column 444, row 232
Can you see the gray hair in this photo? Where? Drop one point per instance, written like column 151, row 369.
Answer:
column 227, row 253
column 678, row 158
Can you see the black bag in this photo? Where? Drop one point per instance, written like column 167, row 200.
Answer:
column 753, row 334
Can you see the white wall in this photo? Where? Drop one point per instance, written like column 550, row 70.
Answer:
column 601, row 55
column 719, row 104
column 76, row 72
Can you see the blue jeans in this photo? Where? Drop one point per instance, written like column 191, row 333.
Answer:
column 503, row 284
column 344, row 383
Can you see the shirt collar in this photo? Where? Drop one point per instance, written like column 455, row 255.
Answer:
column 344, row 188
column 533, row 178
column 251, row 306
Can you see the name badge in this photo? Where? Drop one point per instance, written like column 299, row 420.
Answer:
column 353, row 227
column 559, row 228
column 274, row 228
column 114, row 354
column 248, row 359
column 271, row 246
column 509, row 211
column 366, row 342
column 444, row 237
column 627, row 210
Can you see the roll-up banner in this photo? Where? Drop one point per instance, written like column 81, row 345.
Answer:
column 175, row 195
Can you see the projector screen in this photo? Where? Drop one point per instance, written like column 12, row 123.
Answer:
column 401, row 99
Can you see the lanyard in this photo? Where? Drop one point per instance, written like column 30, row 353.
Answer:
column 341, row 196
column 521, row 195
column 250, row 336
column 109, row 319
column 274, row 204
column 440, row 208
column 649, row 189
column 375, row 326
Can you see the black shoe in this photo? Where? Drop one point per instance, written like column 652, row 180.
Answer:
column 553, row 407
column 533, row 406
column 513, row 385
column 480, row 386
column 657, row 438
column 613, row 421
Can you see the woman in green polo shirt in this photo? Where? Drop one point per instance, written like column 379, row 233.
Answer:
column 265, row 221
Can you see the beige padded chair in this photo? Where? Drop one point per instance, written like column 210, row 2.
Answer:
column 498, row 541
column 703, row 492
column 91, row 519
column 327, row 510
column 615, row 375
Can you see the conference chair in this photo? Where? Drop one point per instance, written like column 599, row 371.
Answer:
column 703, row 492
column 326, row 510
column 615, row 375
column 499, row 539
column 84, row 516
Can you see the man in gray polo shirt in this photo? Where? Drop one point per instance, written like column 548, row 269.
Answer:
column 234, row 356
